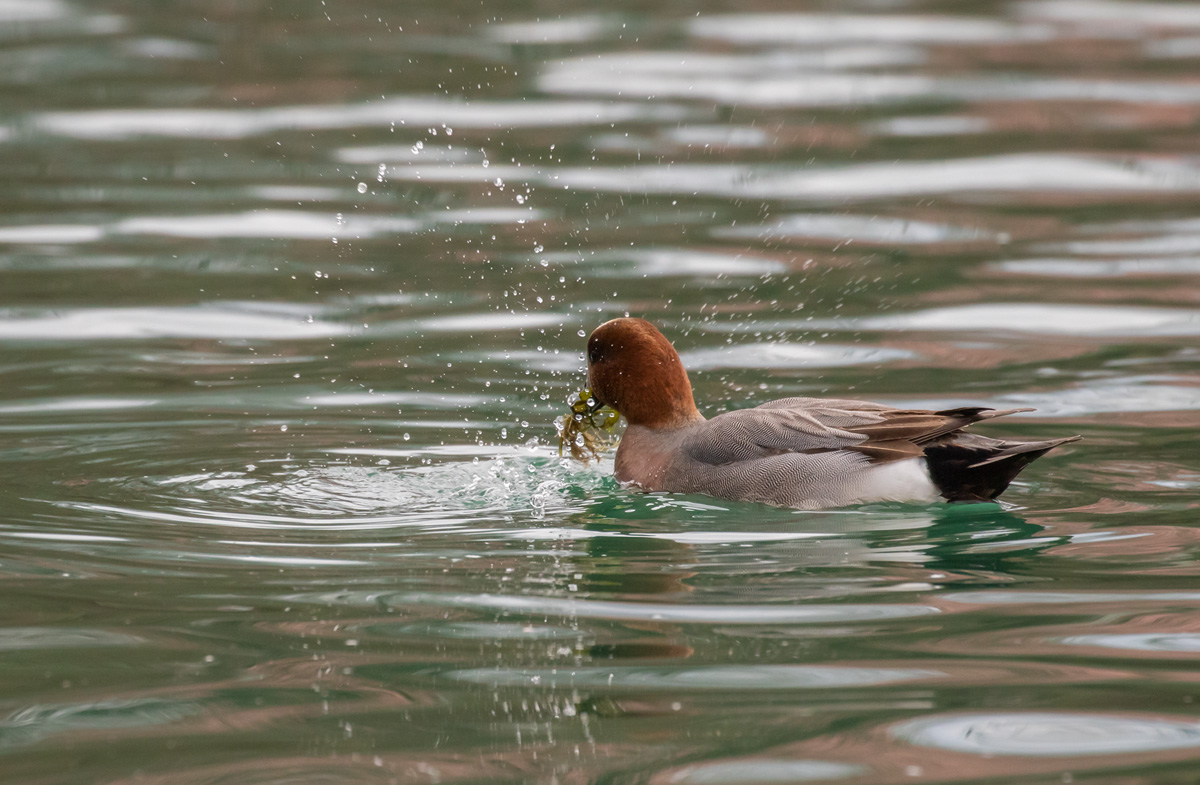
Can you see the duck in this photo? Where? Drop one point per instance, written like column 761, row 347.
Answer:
column 803, row 453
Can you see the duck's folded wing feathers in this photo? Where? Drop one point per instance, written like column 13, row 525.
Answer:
column 809, row 425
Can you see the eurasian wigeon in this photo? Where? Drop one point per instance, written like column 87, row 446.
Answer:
column 795, row 452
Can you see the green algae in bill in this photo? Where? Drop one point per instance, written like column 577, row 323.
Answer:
column 587, row 430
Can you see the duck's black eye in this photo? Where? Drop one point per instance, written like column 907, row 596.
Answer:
column 594, row 354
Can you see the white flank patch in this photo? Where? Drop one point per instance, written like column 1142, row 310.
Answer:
column 900, row 481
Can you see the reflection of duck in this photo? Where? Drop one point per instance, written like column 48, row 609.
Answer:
column 794, row 452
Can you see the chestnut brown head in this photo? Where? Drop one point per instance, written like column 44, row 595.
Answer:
column 633, row 368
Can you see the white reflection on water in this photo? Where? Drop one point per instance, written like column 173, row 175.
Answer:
column 167, row 48
column 779, row 355
column 407, row 153
column 571, row 29
column 426, row 400
column 50, row 233
column 61, row 537
column 1099, row 268
column 1047, row 734
column 18, row 11
column 546, row 361
column 762, row 770
column 1024, row 172
column 718, row 135
column 297, row 193
column 1048, row 319
column 272, row 223
column 818, row 90
column 1163, row 245
column 1068, row 597
column 714, row 677
column 478, row 630
column 697, row 64
column 687, row 538
column 34, row 723
column 1018, row 172
column 1032, row 318
column 302, row 225
column 419, row 110
column 80, row 404
column 1097, row 396
column 639, row 611
column 292, row 224
column 491, row 321
column 1115, row 14
column 226, row 320
column 934, row 125
column 53, row 16
column 796, row 89
column 871, row 229
column 1184, row 642
column 829, row 28
column 669, row 263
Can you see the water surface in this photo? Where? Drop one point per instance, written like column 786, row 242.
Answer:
column 290, row 295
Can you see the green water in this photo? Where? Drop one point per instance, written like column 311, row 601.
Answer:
column 290, row 295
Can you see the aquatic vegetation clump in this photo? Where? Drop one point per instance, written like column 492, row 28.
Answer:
column 587, row 430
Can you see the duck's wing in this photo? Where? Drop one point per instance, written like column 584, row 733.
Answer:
column 812, row 425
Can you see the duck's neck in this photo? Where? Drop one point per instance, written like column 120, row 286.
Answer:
column 672, row 407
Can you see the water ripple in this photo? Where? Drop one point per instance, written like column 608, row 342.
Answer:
column 1068, row 597
column 27, row 638
column 867, row 229
column 1050, row 319
column 419, row 110
column 782, row 28
column 780, row 354
column 632, row 611
column 716, row 677
column 1049, row 734
column 1183, row 642
column 749, row 771
column 237, row 321
column 1001, row 174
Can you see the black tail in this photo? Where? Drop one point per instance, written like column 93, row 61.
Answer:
column 966, row 467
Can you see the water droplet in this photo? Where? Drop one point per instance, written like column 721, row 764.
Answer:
column 407, row 437
column 283, row 428
column 362, row 188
